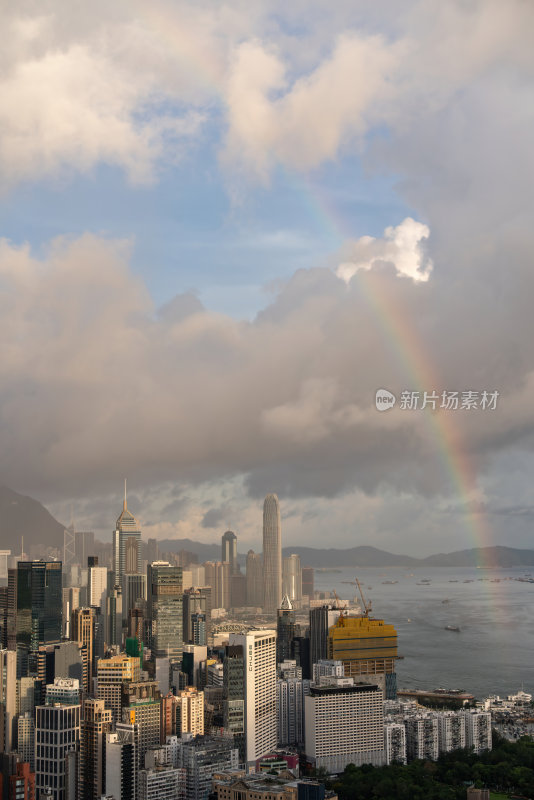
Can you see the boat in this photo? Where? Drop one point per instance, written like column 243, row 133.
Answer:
column 452, row 628
column 384, row 582
column 446, row 601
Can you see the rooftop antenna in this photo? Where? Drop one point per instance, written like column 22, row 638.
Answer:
column 124, row 494
column 22, row 548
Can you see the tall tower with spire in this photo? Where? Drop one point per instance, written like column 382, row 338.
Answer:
column 127, row 529
column 272, row 554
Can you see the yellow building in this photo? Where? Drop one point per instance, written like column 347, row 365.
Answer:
column 111, row 674
column 366, row 647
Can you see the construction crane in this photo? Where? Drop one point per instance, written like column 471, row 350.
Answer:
column 339, row 608
column 367, row 605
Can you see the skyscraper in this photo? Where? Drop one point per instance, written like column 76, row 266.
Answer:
column 82, row 630
column 39, row 603
column 292, row 579
column 8, row 698
column 272, row 554
column 344, row 724
column 366, row 647
column 57, row 731
column 95, row 724
column 254, row 579
column 165, row 609
column 321, row 620
column 218, row 577
column 127, row 528
column 285, row 630
column 259, row 649
column 229, row 551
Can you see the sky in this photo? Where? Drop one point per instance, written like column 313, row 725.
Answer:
column 224, row 227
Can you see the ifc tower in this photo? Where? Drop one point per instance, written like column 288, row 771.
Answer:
column 272, row 554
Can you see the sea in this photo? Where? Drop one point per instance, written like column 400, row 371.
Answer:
column 493, row 650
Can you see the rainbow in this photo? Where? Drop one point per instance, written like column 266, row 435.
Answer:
column 402, row 339
column 398, row 332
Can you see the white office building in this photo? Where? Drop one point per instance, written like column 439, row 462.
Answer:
column 259, row 652
column 344, row 724
column 98, row 585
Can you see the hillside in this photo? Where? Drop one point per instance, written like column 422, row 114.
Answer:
column 23, row 516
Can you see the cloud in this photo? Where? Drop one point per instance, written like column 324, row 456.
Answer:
column 306, row 122
column 96, row 385
column 401, row 246
column 137, row 86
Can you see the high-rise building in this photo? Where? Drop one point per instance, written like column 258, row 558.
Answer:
column 197, row 600
column 39, row 606
column 133, row 589
column 422, row 737
column 234, row 696
column 300, row 651
column 131, row 555
column 114, row 616
column 126, row 529
column 82, row 631
column 229, row 551
column 344, row 724
column 254, row 579
column 218, row 577
column 290, row 704
column 395, row 742
column 451, row 731
column 308, row 581
column 97, row 582
column 121, row 763
column 165, row 609
column 95, row 724
column 26, row 738
column 321, row 620
column 272, row 554
column 366, row 647
column 57, row 732
column 161, row 782
column 190, row 712
column 8, row 698
column 292, row 579
column 111, row 674
column 71, row 600
column 84, row 545
column 477, row 729
column 65, row 691
column 259, row 648
column 202, row 757
column 144, row 715
column 285, row 630
column 238, row 590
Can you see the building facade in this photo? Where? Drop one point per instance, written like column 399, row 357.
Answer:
column 259, row 651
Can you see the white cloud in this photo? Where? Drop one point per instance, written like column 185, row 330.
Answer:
column 401, row 246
